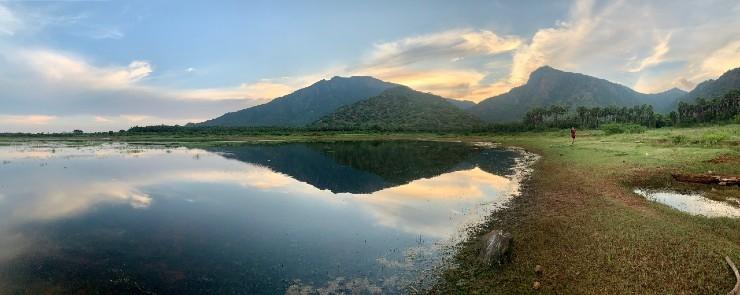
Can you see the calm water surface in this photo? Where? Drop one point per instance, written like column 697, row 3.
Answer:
column 239, row 219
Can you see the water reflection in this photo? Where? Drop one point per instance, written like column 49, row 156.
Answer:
column 369, row 166
column 284, row 217
column 693, row 204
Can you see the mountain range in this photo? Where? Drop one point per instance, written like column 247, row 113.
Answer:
column 366, row 102
column 548, row 86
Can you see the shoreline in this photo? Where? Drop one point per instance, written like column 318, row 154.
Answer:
column 578, row 216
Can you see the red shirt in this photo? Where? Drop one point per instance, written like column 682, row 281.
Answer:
column 573, row 132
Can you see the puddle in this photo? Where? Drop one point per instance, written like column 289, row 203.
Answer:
column 694, row 204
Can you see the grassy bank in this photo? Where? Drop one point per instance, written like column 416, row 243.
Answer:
column 579, row 219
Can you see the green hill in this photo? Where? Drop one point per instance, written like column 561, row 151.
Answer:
column 399, row 108
column 713, row 88
column 304, row 105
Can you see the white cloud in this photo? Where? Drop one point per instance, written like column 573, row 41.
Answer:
column 64, row 68
column 434, row 62
column 658, row 55
column 444, row 45
column 107, row 33
column 83, row 95
column 9, row 23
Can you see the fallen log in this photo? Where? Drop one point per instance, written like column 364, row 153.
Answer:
column 707, row 179
column 736, row 290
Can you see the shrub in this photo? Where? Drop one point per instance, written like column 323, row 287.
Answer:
column 634, row 128
column 615, row 128
column 713, row 138
column 678, row 139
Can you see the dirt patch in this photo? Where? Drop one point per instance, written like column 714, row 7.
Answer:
column 724, row 159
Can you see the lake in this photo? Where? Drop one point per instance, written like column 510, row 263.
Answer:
column 263, row 218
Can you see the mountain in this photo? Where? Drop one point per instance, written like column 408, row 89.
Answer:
column 548, row 86
column 712, row 88
column 461, row 104
column 304, row 105
column 664, row 102
column 399, row 108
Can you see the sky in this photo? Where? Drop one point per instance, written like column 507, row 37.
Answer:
column 110, row 65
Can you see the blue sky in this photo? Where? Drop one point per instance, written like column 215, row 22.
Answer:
column 108, row 65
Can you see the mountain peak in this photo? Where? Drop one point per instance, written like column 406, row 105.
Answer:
column 549, row 86
column 546, row 68
column 673, row 90
column 307, row 104
column 341, row 78
column 712, row 88
column 544, row 72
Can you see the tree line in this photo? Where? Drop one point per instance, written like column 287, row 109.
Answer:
column 716, row 110
column 557, row 116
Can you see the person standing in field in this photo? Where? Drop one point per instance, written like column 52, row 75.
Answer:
column 573, row 134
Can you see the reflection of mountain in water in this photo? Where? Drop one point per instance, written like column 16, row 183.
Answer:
column 369, row 166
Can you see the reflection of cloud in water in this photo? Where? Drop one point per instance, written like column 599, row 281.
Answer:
column 255, row 177
column 436, row 207
column 338, row 285
column 393, row 263
column 425, row 206
column 16, row 154
column 73, row 190
column 693, row 204
column 50, row 202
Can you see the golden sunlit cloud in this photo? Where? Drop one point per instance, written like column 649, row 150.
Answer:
column 257, row 177
column 447, row 83
column 444, row 45
column 27, row 119
column 101, row 119
column 258, row 91
column 429, row 62
column 721, row 60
